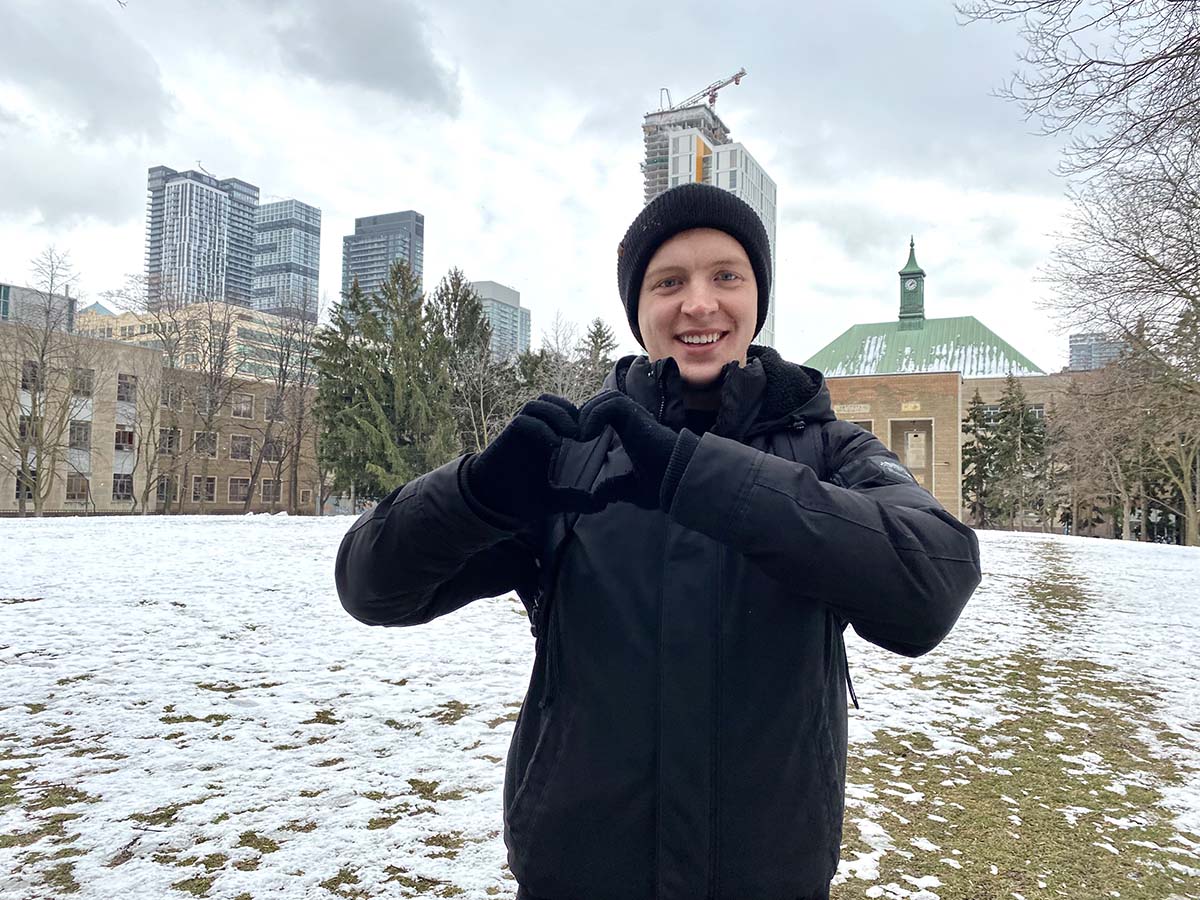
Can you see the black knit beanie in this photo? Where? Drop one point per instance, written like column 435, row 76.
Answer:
column 679, row 209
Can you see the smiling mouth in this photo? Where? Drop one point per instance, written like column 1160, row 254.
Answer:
column 701, row 340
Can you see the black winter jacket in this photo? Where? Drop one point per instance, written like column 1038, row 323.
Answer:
column 684, row 732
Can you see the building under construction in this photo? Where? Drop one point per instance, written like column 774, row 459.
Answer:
column 688, row 142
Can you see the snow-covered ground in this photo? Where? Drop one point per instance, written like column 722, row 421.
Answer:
column 186, row 709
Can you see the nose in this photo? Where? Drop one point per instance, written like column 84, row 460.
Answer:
column 698, row 302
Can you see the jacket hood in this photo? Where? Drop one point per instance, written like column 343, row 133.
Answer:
column 767, row 392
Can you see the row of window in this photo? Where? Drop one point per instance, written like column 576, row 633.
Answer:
column 203, row 488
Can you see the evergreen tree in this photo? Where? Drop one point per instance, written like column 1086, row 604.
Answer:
column 595, row 353
column 978, row 462
column 407, row 421
column 1019, row 459
column 341, row 361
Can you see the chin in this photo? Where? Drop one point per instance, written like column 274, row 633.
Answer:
column 701, row 375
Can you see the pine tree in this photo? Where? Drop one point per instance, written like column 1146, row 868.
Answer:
column 341, row 360
column 1019, row 461
column 595, row 353
column 978, row 463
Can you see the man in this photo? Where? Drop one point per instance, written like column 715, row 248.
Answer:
column 691, row 545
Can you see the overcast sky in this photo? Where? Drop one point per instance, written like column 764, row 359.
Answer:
column 514, row 127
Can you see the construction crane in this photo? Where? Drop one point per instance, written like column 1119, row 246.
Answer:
column 710, row 92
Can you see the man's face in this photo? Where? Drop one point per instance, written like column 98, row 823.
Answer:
column 698, row 286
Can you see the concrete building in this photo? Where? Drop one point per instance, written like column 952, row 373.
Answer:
column 132, row 437
column 287, row 258
column 1093, row 351
column 259, row 339
column 693, row 145
column 510, row 321
column 199, row 236
column 33, row 307
column 379, row 240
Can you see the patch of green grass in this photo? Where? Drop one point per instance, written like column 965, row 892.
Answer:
column 248, row 865
column 449, row 712
column 400, row 726
column 72, row 679
column 301, row 826
column 256, row 841
column 329, row 762
column 61, row 879
column 397, row 682
column 59, row 795
column 50, row 827
column 342, row 884
column 220, row 687
column 500, row 720
column 1015, row 804
column 164, row 815
column 9, row 778
column 424, row 887
column 323, row 717
column 450, row 843
column 428, row 790
column 212, row 718
column 223, row 817
column 35, row 708
column 197, row 886
column 214, row 861
column 311, row 793
column 382, row 822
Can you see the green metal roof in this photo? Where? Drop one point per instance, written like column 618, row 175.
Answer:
column 962, row 344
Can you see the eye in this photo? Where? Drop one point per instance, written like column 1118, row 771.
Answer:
column 670, row 282
column 732, row 276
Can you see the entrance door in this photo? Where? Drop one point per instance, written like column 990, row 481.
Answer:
column 912, row 441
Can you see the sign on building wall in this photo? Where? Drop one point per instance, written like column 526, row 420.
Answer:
column 851, row 409
column 910, row 406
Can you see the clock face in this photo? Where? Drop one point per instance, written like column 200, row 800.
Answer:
column 911, row 284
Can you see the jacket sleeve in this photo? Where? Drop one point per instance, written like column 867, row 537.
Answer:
column 427, row 549
column 873, row 545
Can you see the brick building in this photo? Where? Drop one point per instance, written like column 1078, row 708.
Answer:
column 909, row 382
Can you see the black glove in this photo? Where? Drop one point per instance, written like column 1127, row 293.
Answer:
column 511, row 477
column 658, row 454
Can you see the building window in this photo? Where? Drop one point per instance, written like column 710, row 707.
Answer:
column 243, row 406
column 191, row 359
column 82, row 382
column 29, row 376
column 124, row 439
column 241, row 446
column 206, row 403
column 205, row 443
column 732, row 180
column 168, row 488
column 122, row 487
column 172, row 395
column 126, row 387
column 991, row 415
column 25, row 484
column 168, row 441
column 274, row 407
column 272, row 450
column 1039, row 411
column 306, row 496
column 3, row 302
column 26, row 432
column 270, row 490
column 239, row 490
column 733, row 159
column 204, row 488
column 80, row 436
column 77, row 487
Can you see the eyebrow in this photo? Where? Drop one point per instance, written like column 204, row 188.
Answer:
column 660, row 271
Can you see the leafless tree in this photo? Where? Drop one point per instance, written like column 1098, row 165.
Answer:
column 1119, row 77
column 48, row 376
column 1129, row 263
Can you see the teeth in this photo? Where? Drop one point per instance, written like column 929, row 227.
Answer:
column 700, row 338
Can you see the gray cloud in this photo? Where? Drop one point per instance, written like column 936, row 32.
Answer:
column 62, row 186
column 380, row 47
column 75, row 57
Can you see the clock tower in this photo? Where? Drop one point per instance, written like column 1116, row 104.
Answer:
column 912, row 291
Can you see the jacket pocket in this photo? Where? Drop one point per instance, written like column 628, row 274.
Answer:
column 522, row 816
